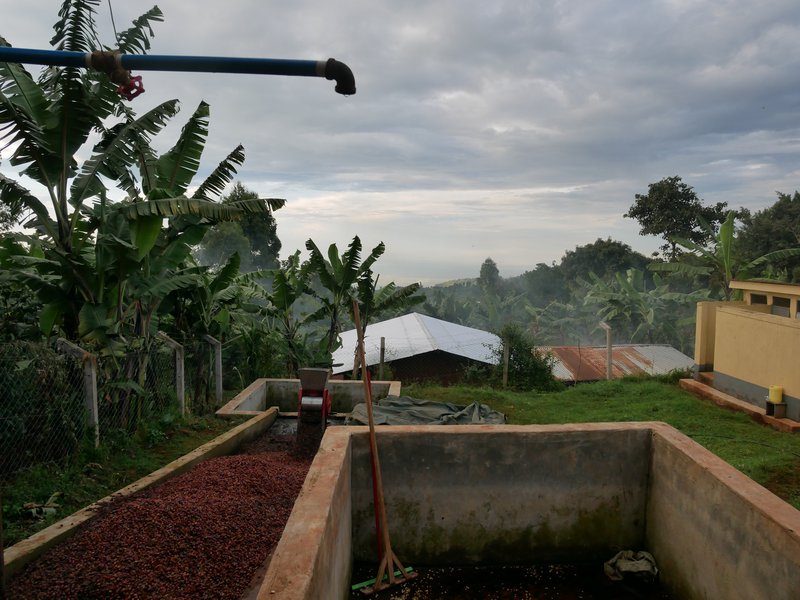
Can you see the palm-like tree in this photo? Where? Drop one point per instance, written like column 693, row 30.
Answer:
column 374, row 301
column 339, row 275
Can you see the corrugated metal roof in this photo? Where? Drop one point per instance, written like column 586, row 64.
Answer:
column 415, row 334
column 588, row 363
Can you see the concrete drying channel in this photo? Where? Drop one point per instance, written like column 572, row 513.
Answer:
column 490, row 494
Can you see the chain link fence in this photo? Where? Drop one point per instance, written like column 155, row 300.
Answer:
column 136, row 386
column 55, row 397
column 42, row 406
column 200, row 383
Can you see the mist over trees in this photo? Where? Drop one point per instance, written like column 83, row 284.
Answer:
column 645, row 300
column 254, row 239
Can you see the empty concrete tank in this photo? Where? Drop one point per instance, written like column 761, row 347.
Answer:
column 517, row 494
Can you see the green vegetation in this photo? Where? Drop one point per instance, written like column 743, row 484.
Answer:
column 93, row 474
column 769, row 457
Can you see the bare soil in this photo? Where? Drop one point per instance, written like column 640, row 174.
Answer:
column 200, row 535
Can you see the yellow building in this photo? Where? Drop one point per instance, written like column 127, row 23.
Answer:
column 753, row 344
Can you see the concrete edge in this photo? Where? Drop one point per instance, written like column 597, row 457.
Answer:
column 394, row 388
column 758, row 414
column 533, row 428
column 775, row 509
column 294, row 560
column 21, row 553
column 229, row 409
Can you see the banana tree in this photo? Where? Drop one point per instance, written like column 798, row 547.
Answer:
column 339, row 275
column 48, row 120
column 224, row 304
column 374, row 301
column 89, row 251
column 721, row 263
column 290, row 282
column 640, row 312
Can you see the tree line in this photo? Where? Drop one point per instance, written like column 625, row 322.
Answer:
column 644, row 299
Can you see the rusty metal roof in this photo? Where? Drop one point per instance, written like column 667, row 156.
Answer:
column 588, row 363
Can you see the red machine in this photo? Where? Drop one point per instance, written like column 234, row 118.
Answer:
column 313, row 400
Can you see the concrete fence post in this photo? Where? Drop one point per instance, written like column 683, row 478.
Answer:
column 89, row 361
column 180, row 378
column 217, row 346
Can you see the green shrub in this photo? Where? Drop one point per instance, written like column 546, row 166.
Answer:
column 527, row 370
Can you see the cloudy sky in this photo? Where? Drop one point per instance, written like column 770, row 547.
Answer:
column 510, row 129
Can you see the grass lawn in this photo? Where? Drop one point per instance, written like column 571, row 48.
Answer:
column 769, row 457
column 96, row 473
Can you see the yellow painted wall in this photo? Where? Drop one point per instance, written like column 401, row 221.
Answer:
column 761, row 349
column 705, row 331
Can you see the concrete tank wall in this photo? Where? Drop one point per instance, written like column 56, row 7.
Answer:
column 714, row 532
column 503, row 495
column 264, row 393
column 455, row 493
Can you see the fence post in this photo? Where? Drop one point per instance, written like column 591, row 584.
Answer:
column 217, row 345
column 383, row 356
column 506, row 344
column 609, row 353
column 89, row 361
column 180, row 380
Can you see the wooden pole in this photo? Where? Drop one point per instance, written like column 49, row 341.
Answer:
column 216, row 346
column 389, row 561
column 89, row 361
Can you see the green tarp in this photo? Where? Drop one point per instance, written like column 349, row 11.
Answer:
column 404, row 410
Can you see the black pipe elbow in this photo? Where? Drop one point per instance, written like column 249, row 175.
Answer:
column 345, row 82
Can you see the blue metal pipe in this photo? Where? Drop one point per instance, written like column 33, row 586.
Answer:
column 330, row 69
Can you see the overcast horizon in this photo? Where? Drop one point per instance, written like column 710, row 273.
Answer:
column 510, row 130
